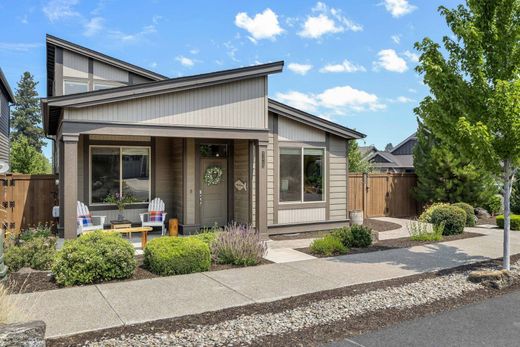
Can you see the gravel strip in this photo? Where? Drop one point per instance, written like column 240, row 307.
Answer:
column 245, row 329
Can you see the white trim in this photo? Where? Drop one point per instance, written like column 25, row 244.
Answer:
column 89, row 191
column 324, row 175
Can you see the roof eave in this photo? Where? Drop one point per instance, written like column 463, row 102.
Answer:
column 5, row 84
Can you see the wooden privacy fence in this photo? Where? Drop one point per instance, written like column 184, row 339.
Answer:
column 27, row 200
column 379, row 195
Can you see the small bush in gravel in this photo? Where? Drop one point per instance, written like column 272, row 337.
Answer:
column 453, row 218
column 515, row 221
column 238, row 245
column 177, row 255
column 426, row 216
column 37, row 253
column 94, row 257
column 470, row 213
column 421, row 231
column 356, row 236
column 328, row 245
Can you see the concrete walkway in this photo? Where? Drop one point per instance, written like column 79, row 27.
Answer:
column 79, row 309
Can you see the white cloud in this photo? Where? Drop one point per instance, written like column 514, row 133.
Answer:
column 413, row 57
column 153, row 64
column 93, row 26
column 411, row 90
column 263, row 26
column 185, row 61
column 339, row 100
column 402, row 100
column 231, row 51
column 132, row 37
column 389, row 60
column 345, row 66
column 19, row 47
column 60, row 9
column 194, row 51
column 396, row 38
column 399, row 8
column 327, row 21
column 300, row 69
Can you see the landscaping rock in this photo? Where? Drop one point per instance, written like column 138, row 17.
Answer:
column 482, row 213
column 496, row 279
column 30, row 334
column 375, row 236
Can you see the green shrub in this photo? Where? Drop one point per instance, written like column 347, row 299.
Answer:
column 177, row 255
column 207, row 237
column 515, row 221
column 470, row 213
column 94, row 257
column 36, row 253
column 422, row 231
column 494, row 205
column 41, row 230
column 426, row 216
column 356, row 236
column 451, row 217
column 238, row 245
column 328, row 245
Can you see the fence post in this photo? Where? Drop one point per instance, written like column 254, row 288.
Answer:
column 365, row 194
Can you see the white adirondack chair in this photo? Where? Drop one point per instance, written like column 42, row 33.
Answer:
column 97, row 221
column 155, row 205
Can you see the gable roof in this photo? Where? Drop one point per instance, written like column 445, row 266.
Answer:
column 312, row 120
column 5, row 88
column 396, row 161
column 367, row 150
column 405, row 141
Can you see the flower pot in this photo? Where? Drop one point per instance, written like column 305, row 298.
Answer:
column 356, row 217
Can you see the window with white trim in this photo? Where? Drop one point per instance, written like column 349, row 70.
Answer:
column 302, row 173
column 74, row 87
column 102, row 85
column 119, row 170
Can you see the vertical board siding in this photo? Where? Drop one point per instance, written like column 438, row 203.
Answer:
column 232, row 105
column 74, row 65
column 106, row 72
column 176, row 178
column 4, row 128
column 302, row 215
column 289, row 130
column 337, row 175
column 241, row 172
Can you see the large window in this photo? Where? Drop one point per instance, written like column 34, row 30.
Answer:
column 74, row 87
column 301, row 174
column 121, row 170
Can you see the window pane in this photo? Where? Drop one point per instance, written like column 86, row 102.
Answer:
column 105, row 173
column 136, row 173
column 73, row 87
column 290, row 174
column 100, row 86
column 213, row 151
column 313, row 174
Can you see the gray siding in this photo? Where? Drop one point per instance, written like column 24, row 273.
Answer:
column 241, row 172
column 162, row 164
column 337, row 173
column 83, row 177
column 4, row 128
column 176, row 178
column 74, row 65
column 270, row 173
column 289, row 130
column 105, row 72
column 189, row 192
column 405, row 148
column 240, row 104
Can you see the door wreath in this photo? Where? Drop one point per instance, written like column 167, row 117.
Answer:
column 213, row 175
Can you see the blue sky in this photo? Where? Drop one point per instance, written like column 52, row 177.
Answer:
column 349, row 61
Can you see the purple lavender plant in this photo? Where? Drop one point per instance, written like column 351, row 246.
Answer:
column 238, row 245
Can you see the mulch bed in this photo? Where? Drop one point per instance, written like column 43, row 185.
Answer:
column 403, row 242
column 36, row 281
column 373, row 224
column 490, row 220
column 314, row 336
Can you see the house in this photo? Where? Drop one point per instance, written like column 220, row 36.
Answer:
column 6, row 98
column 398, row 160
column 212, row 146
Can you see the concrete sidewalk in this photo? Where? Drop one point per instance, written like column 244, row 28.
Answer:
column 80, row 309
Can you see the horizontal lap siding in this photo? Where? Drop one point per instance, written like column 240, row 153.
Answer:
column 238, row 104
column 4, row 129
column 162, row 165
column 176, row 178
column 337, row 178
column 303, row 215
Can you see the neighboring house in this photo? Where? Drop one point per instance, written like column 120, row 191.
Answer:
column 367, row 151
column 398, row 160
column 6, row 98
column 122, row 128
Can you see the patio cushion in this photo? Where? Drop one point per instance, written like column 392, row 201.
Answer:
column 156, row 216
column 85, row 221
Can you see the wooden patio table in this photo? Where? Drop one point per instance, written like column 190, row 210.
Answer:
column 143, row 230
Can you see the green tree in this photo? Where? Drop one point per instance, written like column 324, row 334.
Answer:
column 443, row 175
column 389, row 147
column 356, row 163
column 475, row 89
column 25, row 118
column 26, row 159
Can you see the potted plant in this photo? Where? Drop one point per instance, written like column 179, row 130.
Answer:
column 120, row 200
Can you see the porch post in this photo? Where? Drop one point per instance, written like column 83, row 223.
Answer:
column 70, row 184
column 261, row 186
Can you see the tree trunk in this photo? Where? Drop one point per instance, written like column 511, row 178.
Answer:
column 508, row 183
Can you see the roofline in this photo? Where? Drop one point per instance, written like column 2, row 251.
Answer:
column 165, row 86
column 310, row 119
column 5, row 84
column 404, row 141
column 50, row 39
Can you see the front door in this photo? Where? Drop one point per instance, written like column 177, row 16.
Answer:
column 213, row 186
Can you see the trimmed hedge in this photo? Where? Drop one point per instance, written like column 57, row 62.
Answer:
column 426, row 216
column 453, row 219
column 94, row 257
column 328, row 245
column 515, row 221
column 177, row 255
column 470, row 213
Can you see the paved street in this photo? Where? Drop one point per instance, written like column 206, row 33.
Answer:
column 494, row 322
